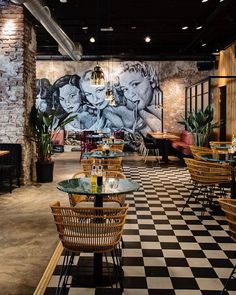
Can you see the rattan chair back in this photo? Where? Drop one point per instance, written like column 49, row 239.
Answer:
column 216, row 143
column 207, row 173
column 197, row 149
column 215, row 146
column 229, row 207
column 113, row 164
column 95, row 229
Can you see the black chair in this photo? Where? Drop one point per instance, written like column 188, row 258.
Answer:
column 149, row 145
column 10, row 164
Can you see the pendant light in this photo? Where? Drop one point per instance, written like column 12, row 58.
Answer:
column 109, row 91
column 159, row 95
column 97, row 75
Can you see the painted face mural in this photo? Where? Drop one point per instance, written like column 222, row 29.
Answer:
column 94, row 95
column 40, row 103
column 137, row 89
column 69, row 97
column 43, row 95
column 134, row 91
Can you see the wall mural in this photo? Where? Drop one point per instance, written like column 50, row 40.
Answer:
column 136, row 92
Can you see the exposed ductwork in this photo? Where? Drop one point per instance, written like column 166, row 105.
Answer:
column 42, row 14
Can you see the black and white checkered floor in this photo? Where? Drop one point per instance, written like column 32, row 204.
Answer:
column 167, row 252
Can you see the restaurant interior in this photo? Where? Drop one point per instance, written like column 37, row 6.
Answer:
column 118, row 147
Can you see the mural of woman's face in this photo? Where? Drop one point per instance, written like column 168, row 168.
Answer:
column 70, row 99
column 95, row 95
column 137, row 89
column 40, row 103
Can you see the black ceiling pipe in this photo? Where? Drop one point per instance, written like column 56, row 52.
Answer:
column 136, row 57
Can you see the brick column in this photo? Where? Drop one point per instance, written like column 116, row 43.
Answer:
column 17, row 79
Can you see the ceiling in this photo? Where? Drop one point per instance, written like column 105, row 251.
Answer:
column 132, row 20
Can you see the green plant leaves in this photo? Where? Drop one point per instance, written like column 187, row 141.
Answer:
column 42, row 125
column 200, row 124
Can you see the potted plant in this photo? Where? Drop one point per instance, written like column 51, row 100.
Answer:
column 200, row 124
column 42, row 124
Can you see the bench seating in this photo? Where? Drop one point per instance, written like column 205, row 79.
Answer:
column 10, row 164
column 182, row 147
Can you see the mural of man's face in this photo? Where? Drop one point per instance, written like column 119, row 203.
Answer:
column 95, row 95
column 137, row 89
column 70, row 99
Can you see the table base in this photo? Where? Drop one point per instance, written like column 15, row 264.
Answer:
column 83, row 274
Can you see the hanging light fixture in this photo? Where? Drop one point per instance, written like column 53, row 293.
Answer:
column 109, row 91
column 159, row 95
column 97, row 75
column 109, row 95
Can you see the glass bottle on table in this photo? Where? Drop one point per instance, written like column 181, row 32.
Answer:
column 99, row 175
column 93, row 177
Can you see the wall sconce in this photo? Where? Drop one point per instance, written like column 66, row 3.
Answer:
column 9, row 27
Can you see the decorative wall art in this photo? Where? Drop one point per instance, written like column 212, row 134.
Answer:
column 135, row 87
column 135, row 109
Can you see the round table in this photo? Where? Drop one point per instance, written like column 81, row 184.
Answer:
column 101, row 155
column 111, row 186
column 223, row 158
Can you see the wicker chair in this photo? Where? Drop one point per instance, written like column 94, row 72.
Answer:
column 87, row 201
column 148, row 145
column 114, row 164
column 80, row 230
column 229, row 207
column 215, row 144
column 197, row 149
column 206, row 177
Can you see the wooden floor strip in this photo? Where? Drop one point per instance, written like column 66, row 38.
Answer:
column 43, row 283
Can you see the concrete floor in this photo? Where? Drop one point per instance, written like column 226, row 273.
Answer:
column 28, row 235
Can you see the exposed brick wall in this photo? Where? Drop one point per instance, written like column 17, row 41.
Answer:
column 17, row 79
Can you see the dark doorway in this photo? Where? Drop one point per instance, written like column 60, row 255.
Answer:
column 223, row 113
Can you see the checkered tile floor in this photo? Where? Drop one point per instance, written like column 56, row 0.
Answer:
column 167, row 252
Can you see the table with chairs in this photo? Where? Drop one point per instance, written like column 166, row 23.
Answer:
column 112, row 186
column 98, row 214
column 164, row 138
